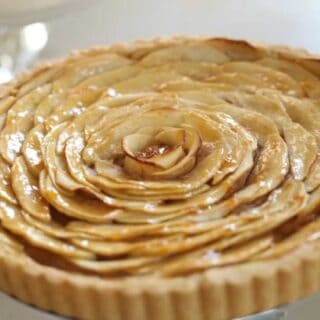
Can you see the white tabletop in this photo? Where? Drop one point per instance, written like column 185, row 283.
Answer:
column 292, row 22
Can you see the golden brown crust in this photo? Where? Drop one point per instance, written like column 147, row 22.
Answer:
column 213, row 294
column 216, row 294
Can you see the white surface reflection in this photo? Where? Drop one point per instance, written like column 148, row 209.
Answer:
column 20, row 47
column 34, row 37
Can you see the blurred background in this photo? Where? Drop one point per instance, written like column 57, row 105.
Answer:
column 59, row 26
column 292, row 22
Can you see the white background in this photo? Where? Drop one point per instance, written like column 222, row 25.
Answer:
column 291, row 22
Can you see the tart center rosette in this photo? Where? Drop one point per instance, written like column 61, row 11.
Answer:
column 168, row 161
column 161, row 153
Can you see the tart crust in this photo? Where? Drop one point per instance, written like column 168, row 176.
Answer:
column 215, row 294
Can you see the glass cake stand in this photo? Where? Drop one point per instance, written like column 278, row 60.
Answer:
column 275, row 314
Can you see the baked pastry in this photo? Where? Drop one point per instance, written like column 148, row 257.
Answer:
column 163, row 179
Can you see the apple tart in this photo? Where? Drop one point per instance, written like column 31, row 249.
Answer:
column 162, row 179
